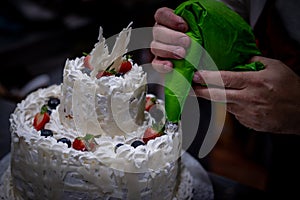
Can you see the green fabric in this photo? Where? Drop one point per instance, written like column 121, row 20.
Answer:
column 226, row 37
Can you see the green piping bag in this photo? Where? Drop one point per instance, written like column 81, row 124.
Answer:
column 215, row 30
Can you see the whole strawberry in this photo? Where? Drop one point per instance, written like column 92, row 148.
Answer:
column 41, row 118
column 125, row 65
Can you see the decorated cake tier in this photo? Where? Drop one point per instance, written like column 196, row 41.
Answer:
column 119, row 167
column 110, row 105
column 104, row 93
column 97, row 135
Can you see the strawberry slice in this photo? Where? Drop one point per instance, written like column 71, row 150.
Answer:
column 86, row 62
column 104, row 73
column 86, row 143
column 150, row 101
column 41, row 118
column 126, row 65
column 107, row 72
column 152, row 132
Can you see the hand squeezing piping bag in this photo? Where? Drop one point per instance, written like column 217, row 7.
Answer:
column 217, row 31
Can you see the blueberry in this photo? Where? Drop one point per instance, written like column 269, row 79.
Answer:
column 137, row 143
column 49, row 111
column 118, row 145
column 65, row 140
column 119, row 74
column 53, row 102
column 46, row 133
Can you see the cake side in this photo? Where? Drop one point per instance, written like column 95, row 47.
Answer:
column 44, row 164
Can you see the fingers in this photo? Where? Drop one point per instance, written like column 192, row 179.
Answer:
column 170, row 36
column 169, row 40
column 221, row 86
column 267, row 62
column 227, row 79
column 218, row 94
column 210, row 93
column 168, row 18
column 162, row 66
column 168, row 43
column 167, row 51
column 261, row 59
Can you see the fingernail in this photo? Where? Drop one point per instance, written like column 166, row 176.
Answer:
column 182, row 26
column 196, row 78
column 184, row 41
column 166, row 68
column 179, row 53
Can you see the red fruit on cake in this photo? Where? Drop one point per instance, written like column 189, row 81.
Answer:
column 86, row 62
column 125, row 65
column 85, row 143
column 41, row 118
column 153, row 132
column 104, row 73
column 79, row 144
column 150, row 101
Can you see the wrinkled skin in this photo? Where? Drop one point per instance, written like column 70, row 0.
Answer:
column 267, row 100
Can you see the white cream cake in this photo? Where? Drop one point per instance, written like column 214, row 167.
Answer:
column 94, row 144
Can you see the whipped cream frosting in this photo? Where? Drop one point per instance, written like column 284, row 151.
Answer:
column 107, row 106
column 112, row 109
column 127, row 158
column 110, row 105
column 152, row 168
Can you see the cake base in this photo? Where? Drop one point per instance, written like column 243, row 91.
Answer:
column 195, row 183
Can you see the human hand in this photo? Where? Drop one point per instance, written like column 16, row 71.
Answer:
column 266, row 100
column 169, row 40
